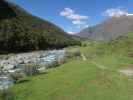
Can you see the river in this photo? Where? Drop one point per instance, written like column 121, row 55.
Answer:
column 12, row 63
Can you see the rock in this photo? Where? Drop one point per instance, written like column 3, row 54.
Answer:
column 40, row 57
column 16, row 63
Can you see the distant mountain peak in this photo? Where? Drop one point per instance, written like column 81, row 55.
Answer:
column 109, row 29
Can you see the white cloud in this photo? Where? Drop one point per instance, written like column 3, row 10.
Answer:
column 77, row 19
column 116, row 12
column 78, row 22
column 129, row 14
column 86, row 26
column 69, row 32
column 67, row 12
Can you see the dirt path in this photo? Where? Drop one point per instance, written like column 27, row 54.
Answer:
column 99, row 65
column 127, row 72
column 93, row 62
column 83, row 57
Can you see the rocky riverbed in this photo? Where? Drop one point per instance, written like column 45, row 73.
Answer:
column 13, row 62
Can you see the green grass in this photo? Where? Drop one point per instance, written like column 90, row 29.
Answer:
column 84, row 80
column 76, row 80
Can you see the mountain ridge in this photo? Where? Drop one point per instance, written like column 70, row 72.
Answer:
column 109, row 29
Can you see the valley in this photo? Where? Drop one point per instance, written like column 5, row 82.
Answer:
column 96, row 78
column 66, row 53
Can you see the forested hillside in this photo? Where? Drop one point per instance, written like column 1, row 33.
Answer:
column 21, row 31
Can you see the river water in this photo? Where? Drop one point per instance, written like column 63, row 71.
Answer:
column 13, row 63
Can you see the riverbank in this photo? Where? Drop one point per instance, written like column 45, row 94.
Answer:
column 16, row 63
column 80, row 79
column 98, row 72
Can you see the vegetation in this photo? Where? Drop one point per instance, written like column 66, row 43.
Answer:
column 20, row 31
column 6, row 95
column 97, row 78
column 18, row 77
column 31, row 69
column 76, row 80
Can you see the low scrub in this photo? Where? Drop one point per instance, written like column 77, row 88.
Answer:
column 31, row 69
column 73, row 54
column 18, row 77
column 6, row 95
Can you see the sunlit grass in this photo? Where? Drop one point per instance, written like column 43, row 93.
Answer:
column 83, row 80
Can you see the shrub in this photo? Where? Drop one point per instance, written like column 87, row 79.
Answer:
column 77, row 54
column 6, row 95
column 31, row 69
column 61, row 61
column 1, row 69
column 17, row 77
column 73, row 54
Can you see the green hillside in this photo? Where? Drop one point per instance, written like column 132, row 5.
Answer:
column 21, row 31
column 96, row 78
column 92, row 70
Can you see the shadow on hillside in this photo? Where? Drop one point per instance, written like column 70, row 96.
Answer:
column 23, row 81
column 6, row 11
column 42, row 73
column 28, row 80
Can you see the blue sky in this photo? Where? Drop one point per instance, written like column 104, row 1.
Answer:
column 74, row 15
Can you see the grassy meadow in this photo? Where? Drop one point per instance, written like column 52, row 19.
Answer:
column 95, row 78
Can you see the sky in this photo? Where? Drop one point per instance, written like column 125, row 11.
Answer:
column 75, row 15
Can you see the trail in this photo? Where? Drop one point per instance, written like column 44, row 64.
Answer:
column 83, row 57
column 99, row 65
column 127, row 72
column 93, row 62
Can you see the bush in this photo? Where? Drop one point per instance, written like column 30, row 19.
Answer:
column 17, row 77
column 52, row 65
column 1, row 69
column 6, row 95
column 77, row 54
column 31, row 69
column 61, row 61
column 73, row 54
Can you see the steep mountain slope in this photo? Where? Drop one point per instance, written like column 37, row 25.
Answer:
column 109, row 29
column 21, row 31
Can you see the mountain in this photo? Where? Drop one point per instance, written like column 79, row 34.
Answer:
column 109, row 29
column 21, row 31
